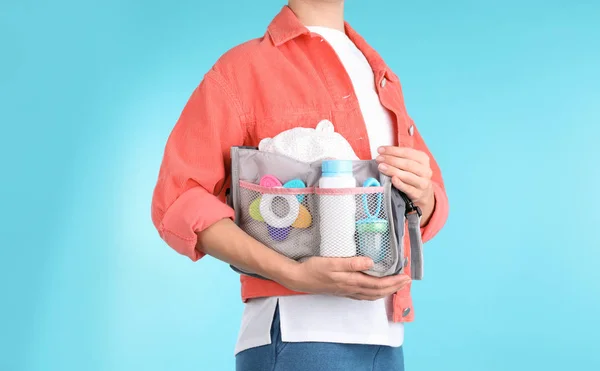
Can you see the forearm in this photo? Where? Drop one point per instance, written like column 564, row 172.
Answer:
column 225, row 241
column 330, row 276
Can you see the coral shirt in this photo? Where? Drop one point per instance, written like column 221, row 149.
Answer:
column 286, row 79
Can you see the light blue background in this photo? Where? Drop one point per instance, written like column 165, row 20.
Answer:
column 505, row 93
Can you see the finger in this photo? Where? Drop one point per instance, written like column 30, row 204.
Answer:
column 387, row 169
column 379, row 294
column 356, row 264
column 405, row 164
column 365, row 282
column 405, row 152
column 413, row 193
column 408, row 153
column 362, row 297
column 359, row 297
column 412, row 179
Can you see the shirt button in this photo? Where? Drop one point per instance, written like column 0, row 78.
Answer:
column 406, row 312
column 411, row 130
column 383, row 82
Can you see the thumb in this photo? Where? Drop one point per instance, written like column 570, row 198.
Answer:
column 356, row 264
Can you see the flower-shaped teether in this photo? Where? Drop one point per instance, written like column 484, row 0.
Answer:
column 281, row 212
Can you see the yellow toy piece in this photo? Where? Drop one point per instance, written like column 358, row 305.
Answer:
column 304, row 219
column 255, row 210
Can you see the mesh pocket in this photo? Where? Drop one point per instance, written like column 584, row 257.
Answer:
column 282, row 219
column 354, row 222
column 301, row 223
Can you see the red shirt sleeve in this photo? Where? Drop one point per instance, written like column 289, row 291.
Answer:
column 190, row 192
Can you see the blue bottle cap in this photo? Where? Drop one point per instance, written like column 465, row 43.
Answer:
column 336, row 167
column 294, row 183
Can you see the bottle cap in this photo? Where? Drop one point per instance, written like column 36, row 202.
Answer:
column 336, row 167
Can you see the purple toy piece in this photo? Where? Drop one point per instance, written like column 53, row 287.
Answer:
column 279, row 234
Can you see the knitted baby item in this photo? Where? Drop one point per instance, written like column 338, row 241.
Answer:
column 309, row 145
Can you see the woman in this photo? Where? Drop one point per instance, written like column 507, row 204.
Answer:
column 322, row 314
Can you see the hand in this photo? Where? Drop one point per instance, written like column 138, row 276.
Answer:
column 411, row 173
column 342, row 277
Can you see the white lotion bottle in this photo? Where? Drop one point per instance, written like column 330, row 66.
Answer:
column 337, row 213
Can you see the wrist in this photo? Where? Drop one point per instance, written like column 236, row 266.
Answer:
column 282, row 270
column 427, row 206
column 289, row 275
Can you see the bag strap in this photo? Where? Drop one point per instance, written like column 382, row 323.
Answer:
column 416, row 244
column 413, row 214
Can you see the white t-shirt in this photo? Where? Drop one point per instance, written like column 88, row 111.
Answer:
column 322, row 318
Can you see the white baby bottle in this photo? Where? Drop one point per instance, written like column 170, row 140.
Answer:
column 337, row 210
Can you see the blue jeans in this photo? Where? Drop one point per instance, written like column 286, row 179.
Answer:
column 280, row 356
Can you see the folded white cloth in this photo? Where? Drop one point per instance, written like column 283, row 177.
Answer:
column 309, row 145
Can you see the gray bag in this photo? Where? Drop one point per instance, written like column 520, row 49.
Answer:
column 288, row 219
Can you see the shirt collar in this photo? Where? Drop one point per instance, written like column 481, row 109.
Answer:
column 286, row 26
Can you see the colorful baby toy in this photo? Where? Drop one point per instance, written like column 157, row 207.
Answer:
column 296, row 216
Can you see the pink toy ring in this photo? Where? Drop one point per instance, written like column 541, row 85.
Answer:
column 270, row 181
